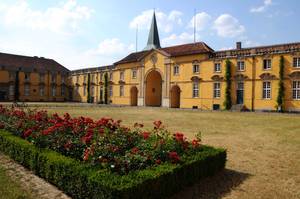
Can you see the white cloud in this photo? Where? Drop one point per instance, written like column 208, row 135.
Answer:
column 262, row 8
column 61, row 19
column 202, row 21
column 166, row 22
column 228, row 26
column 174, row 39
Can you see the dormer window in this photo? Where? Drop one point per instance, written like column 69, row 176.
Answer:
column 176, row 70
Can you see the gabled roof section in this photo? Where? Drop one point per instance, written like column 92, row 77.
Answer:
column 173, row 51
column 27, row 63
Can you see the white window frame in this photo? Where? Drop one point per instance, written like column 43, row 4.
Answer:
column 217, row 67
column 267, row 90
column 296, row 62
column 26, row 89
column 296, row 90
column 195, row 93
column 121, row 90
column 176, row 70
column 110, row 90
column 122, row 75
column 11, row 90
column 217, row 90
column 196, row 68
column 267, row 64
column 240, row 65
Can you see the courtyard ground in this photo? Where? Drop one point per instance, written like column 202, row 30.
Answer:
column 263, row 148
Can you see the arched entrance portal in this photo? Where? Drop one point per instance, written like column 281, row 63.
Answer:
column 153, row 89
column 133, row 96
column 175, row 97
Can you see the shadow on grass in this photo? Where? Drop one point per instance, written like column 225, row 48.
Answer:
column 214, row 187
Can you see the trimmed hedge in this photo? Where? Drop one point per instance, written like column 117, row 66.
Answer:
column 81, row 180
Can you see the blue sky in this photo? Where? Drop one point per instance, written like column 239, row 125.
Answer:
column 88, row 33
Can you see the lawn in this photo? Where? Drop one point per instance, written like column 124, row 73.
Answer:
column 263, row 148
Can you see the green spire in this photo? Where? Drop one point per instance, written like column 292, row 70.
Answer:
column 153, row 39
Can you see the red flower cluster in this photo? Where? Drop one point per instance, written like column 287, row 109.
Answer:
column 174, row 157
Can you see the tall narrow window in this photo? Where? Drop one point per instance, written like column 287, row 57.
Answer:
column 27, row 77
column 110, row 90
column 11, row 90
column 92, row 91
column 12, row 76
column 134, row 73
column 196, row 68
column 92, row 78
column 53, row 78
column 26, row 89
column 62, row 91
column 77, row 79
column 63, row 79
column 176, row 70
column 42, row 90
column 217, row 67
column 42, row 77
column 195, row 89
column 111, row 76
column 266, row 90
column 296, row 90
column 121, row 90
column 240, row 66
column 267, row 64
column 53, row 91
column 296, row 62
column 101, row 77
column 217, row 90
column 84, row 79
column 122, row 75
column 84, row 90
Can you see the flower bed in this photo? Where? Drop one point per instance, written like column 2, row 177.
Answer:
column 103, row 159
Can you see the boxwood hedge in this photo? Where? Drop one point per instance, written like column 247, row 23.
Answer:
column 81, row 180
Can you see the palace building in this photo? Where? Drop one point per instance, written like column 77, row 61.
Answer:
column 183, row 76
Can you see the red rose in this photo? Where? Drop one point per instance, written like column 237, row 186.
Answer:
column 27, row 133
column 174, row 157
column 195, row 143
column 146, row 135
column 158, row 161
column 179, row 137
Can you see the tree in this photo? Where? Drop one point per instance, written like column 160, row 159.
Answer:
column 17, row 89
column 88, row 88
column 105, row 88
column 228, row 102
column 280, row 97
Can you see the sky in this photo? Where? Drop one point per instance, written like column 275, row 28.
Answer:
column 90, row 33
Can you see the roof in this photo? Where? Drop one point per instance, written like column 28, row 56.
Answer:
column 258, row 50
column 29, row 64
column 173, row 51
column 153, row 39
column 93, row 69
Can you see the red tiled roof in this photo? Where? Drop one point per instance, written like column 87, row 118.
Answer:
column 10, row 61
column 179, row 50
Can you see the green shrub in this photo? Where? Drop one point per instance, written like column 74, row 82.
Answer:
column 81, row 180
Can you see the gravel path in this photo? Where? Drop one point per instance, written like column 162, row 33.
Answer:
column 39, row 188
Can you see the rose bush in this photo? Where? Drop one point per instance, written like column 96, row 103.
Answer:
column 104, row 143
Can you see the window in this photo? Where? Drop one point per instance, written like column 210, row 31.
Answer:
column 134, row 72
column 84, row 90
column 110, row 76
column 26, row 89
column 267, row 64
column 63, row 79
column 62, row 91
column 110, row 91
column 266, row 90
column 42, row 90
column 217, row 90
column 195, row 68
column 53, row 78
column 121, row 90
column 296, row 62
column 217, row 67
column 53, row 91
column 122, row 75
column 11, row 76
column 176, row 70
column 296, row 90
column 77, row 89
column 101, row 77
column 92, row 91
column 11, row 90
column 42, row 77
column 84, row 79
column 196, row 89
column 240, row 66
column 77, row 79
column 93, row 78
column 27, row 77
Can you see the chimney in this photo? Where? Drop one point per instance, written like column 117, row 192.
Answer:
column 238, row 45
